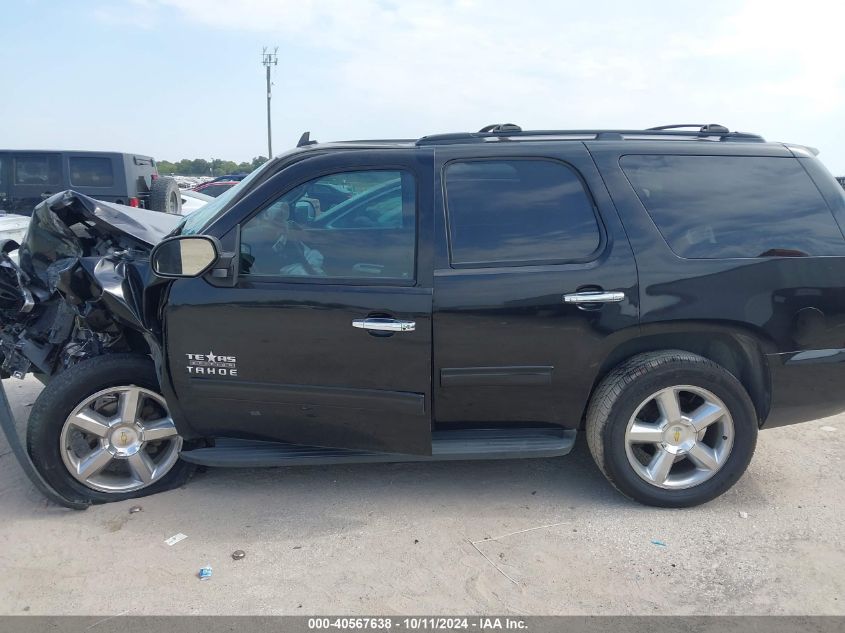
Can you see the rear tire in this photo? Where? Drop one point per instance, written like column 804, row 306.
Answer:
column 664, row 454
column 165, row 196
column 48, row 436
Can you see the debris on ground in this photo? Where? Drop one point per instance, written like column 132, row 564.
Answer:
column 743, row 515
column 205, row 573
column 238, row 554
column 828, row 428
column 135, row 509
column 175, row 539
column 659, row 543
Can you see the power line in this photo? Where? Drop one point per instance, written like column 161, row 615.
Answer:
column 269, row 59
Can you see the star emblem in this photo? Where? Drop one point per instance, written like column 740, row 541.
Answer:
column 211, row 357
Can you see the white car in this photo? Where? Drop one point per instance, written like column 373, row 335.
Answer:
column 193, row 200
column 13, row 226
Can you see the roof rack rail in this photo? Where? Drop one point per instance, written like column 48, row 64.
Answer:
column 713, row 128
column 509, row 131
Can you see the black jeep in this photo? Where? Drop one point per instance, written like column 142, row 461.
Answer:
column 478, row 296
column 29, row 176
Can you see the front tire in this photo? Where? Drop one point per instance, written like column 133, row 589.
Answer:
column 101, row 431
column 671, row 429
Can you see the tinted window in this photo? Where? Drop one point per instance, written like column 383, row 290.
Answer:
column 91, row 172
column 381, row 208
column 37, row 169
column 518, row 211
column 215, row 190
column 710, row 207
column 331, row 193
column 371, row 234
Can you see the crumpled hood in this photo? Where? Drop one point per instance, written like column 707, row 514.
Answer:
column 49, row 237
column 149, row 227
column 83, row 286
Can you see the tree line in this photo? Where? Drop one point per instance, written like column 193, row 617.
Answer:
column 203, row 167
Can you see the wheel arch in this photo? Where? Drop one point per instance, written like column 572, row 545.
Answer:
column 738, row 350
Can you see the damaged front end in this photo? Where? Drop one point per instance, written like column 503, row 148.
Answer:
column 82, row 286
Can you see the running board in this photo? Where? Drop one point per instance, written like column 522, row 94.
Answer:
column 445, row 445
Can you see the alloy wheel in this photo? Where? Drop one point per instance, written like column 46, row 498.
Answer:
column 679, row 437
column 120, row 440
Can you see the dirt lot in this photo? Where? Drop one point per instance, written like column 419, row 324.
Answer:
column 398, row 539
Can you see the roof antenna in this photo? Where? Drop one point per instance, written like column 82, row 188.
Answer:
column 305, row 140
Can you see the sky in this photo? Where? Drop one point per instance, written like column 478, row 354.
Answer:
column 183, row 78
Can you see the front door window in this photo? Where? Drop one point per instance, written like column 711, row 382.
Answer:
column 355, row 226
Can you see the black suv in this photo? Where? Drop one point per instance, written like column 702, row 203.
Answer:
column 29, row 176
column 478, row 296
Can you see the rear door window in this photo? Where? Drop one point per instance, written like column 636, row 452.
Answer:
column 712, row 207
column 37, row 169
column 518, row 212
column 91, row 171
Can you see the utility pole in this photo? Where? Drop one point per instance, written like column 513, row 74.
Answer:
column 269, row 59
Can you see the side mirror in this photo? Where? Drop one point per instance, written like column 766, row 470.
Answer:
column 304, row 212
column 184, row 256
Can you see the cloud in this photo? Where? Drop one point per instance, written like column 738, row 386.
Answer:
column 477, row 50
column 796, row 47
column 456, row 58
column 408, row 67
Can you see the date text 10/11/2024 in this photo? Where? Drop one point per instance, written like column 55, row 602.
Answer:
column 418, row 623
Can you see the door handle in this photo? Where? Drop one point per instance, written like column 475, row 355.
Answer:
column 384, row 325
column 594, row 296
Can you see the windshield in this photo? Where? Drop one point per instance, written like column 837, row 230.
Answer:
column 202, row 217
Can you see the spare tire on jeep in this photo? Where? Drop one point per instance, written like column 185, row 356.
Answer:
column 165, row 196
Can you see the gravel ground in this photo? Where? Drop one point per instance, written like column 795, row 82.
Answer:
column 545, row 536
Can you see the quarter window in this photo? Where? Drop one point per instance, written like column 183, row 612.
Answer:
column 512, row 212
column 711, row 207
column 355, row 225
column 91, row 172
